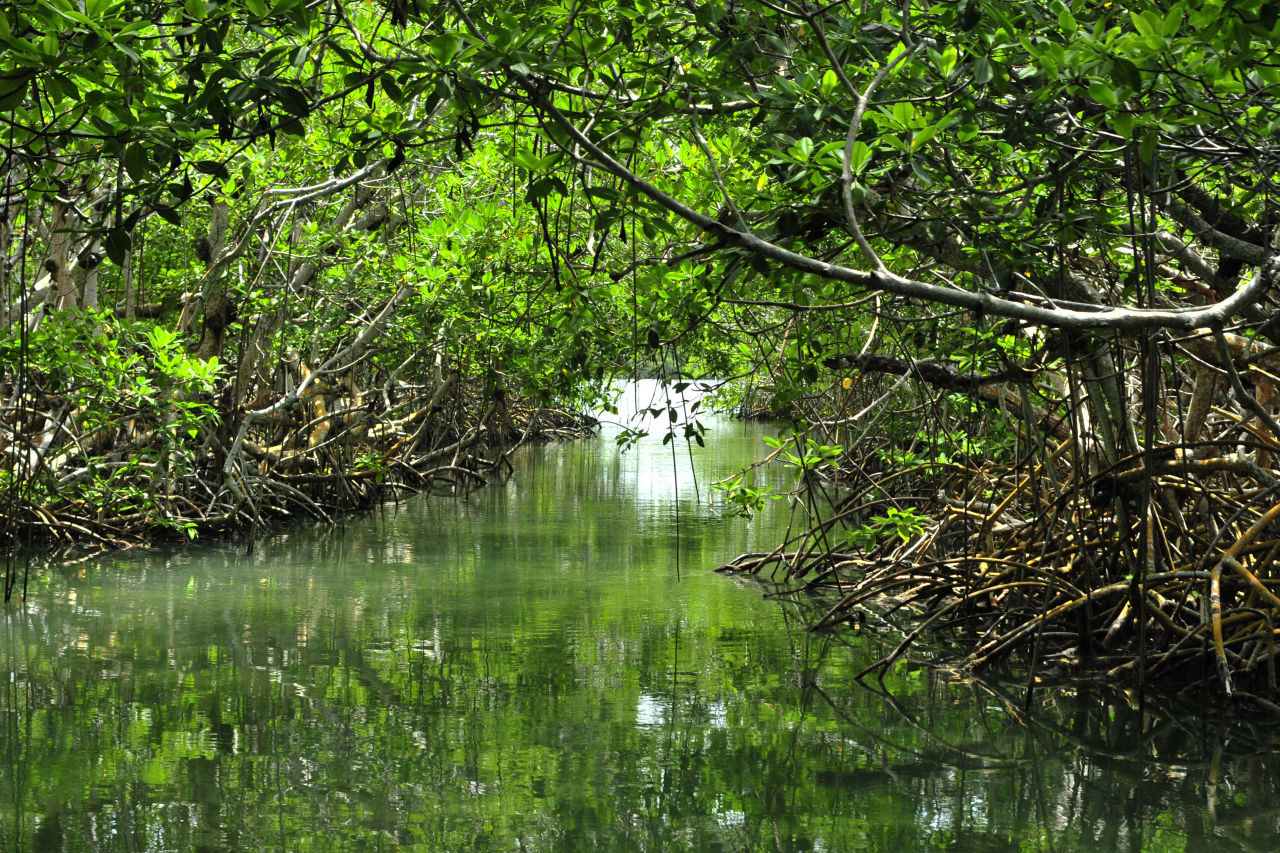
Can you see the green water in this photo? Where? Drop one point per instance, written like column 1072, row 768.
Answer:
column 528, row 668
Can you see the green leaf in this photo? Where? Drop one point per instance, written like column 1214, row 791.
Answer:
column 294, row 101
column 829, row 83
column 543, row 187
column 1102, row 93
column 1123, row 124
column 168, row 214
column 1147, row 147
column 527, row 159
column 1267, row 15
column 982, row 71
column 214, row 168
column 136, row 163
column 859, row 156
column 947, row 60
column 923, row 136
column 1147, row 23
column 392, row 89
column 117, row 244
column 12, row 91
column 1125, row 73
column 444, row 46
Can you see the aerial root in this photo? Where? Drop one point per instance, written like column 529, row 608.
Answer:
column 1061, row 580
column 149, row 485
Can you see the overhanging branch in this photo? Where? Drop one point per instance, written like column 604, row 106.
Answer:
column 1122, row 318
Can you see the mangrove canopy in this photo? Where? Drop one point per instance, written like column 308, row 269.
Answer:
column 1004, row 270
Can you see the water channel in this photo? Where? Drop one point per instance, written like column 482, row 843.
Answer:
column 549, row 664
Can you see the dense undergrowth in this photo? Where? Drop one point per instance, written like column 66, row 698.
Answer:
column 117, row 436
column 989, row 520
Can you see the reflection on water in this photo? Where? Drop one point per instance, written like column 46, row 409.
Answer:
column 521, row 670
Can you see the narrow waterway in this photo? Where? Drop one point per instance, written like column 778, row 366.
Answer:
column 549, row 664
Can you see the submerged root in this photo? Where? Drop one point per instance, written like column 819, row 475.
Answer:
column 1103, row 510
column 330, row 452
column 1071, row 575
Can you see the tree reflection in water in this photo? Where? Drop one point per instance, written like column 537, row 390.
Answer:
column 520, row 670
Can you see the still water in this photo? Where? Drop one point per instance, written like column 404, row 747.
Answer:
column 548, row 664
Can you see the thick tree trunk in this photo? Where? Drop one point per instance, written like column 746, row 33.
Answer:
column 58, row 264
column 218, row 311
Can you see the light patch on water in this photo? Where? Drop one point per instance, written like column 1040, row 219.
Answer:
column 650, row 711
column 730, row 817
column 656, row 711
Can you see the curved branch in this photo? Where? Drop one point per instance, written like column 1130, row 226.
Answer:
column 846, row 170
column 1128, row 319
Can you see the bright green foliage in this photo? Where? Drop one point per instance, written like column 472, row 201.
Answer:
column 741, row 499
column 963, row 234
column 116, row 381
column 808, row 457
column 1004, row 141
column 904, row 523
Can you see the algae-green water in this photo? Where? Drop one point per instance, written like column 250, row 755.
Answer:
column 549, row 664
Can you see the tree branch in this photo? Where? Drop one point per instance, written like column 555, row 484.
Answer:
column 1214, row 316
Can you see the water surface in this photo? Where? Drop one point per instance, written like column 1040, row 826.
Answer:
column 548, row 664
